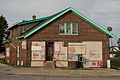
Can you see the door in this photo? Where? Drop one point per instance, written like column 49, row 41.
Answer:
column 49, row 51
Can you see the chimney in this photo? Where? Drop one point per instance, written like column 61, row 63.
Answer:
column 33, row 17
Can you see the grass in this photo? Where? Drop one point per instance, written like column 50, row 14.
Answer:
column 2, row 60
column 77, row 68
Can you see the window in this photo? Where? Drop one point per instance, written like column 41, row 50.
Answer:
column 68, row 28
column 16, row 32
column 12, row 33
column 62, row 28
column 23, row 29
column 74, row 28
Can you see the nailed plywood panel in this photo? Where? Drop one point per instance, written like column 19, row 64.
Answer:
column 76, row 49
column 93, row 50
column 18, row 51
column 61, row 64
column 38, row 50
column 7, row 52
column 36, row 63
column 93, row 53
column 57, row 47
column 24, row 44
column 60, row 54
column 18, row 62
column 62, row 49
column 61, row 57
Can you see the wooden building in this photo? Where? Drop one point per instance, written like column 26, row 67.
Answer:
column 65, row 39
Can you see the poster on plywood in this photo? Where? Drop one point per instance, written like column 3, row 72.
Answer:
column 72, row 57
column 76, row 49
column 57, row 47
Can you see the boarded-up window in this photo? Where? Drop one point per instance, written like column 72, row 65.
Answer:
column 57, row 47
column 38, row 50
column 24, row 44
column 18, row 51
column 76, row 48
column 7, row 52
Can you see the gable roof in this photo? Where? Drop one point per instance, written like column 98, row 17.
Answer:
column 47, row 21
column 27, row 22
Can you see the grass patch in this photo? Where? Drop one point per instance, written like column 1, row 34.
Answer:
column 77, row 68
column 2, row 60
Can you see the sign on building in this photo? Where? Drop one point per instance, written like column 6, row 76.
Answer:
column 76, row 48
column 72, row 57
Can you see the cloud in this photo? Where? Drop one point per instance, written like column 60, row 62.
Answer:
column 103, row 12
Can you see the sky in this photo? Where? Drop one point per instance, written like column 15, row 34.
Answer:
column 103, row 12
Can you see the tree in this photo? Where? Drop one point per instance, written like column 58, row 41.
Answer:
column 118, row 42
column 3, row 31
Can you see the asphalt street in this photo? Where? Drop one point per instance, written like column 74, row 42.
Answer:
column 22, row 77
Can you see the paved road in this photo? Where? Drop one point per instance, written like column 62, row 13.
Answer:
column 21, row 77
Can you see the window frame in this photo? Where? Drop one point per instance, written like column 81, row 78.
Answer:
column 16, row 32
column 71, row 28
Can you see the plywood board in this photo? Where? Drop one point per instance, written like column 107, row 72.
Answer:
column 61, row 57
column 36, row 63
column 61, row 64
column 76, row 49
column 24, row 44
column 38, row 50
column 8, row 52
column 57, row 47
column 93, row 50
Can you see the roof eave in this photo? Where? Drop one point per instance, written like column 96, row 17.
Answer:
column 77, row 13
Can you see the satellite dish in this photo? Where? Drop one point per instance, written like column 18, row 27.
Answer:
column 109, row 28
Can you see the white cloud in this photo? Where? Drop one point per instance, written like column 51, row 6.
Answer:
column 103, row 12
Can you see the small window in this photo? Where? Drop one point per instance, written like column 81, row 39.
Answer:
column 74, row 28
column 12, row 33
column 62, row 28
column 68, row 28
column 23, row 29
column 16, row 32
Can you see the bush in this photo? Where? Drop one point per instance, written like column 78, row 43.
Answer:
column 2, row 60
column 117, row 54
column 115, row 62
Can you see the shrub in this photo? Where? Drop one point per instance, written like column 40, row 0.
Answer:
column 117, row 54
column 115, row 62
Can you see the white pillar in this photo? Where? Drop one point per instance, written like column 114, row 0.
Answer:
column 108, row 63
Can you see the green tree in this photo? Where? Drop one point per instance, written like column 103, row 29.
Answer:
column 118, row 42
column 3, row 33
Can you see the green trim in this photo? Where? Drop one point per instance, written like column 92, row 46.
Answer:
column 26, row 22
column 16, row 32
column 77, row 28
column 65, row 28
column 78, row 14
column 71, row 27
column 9, row 40
column 21, row 23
